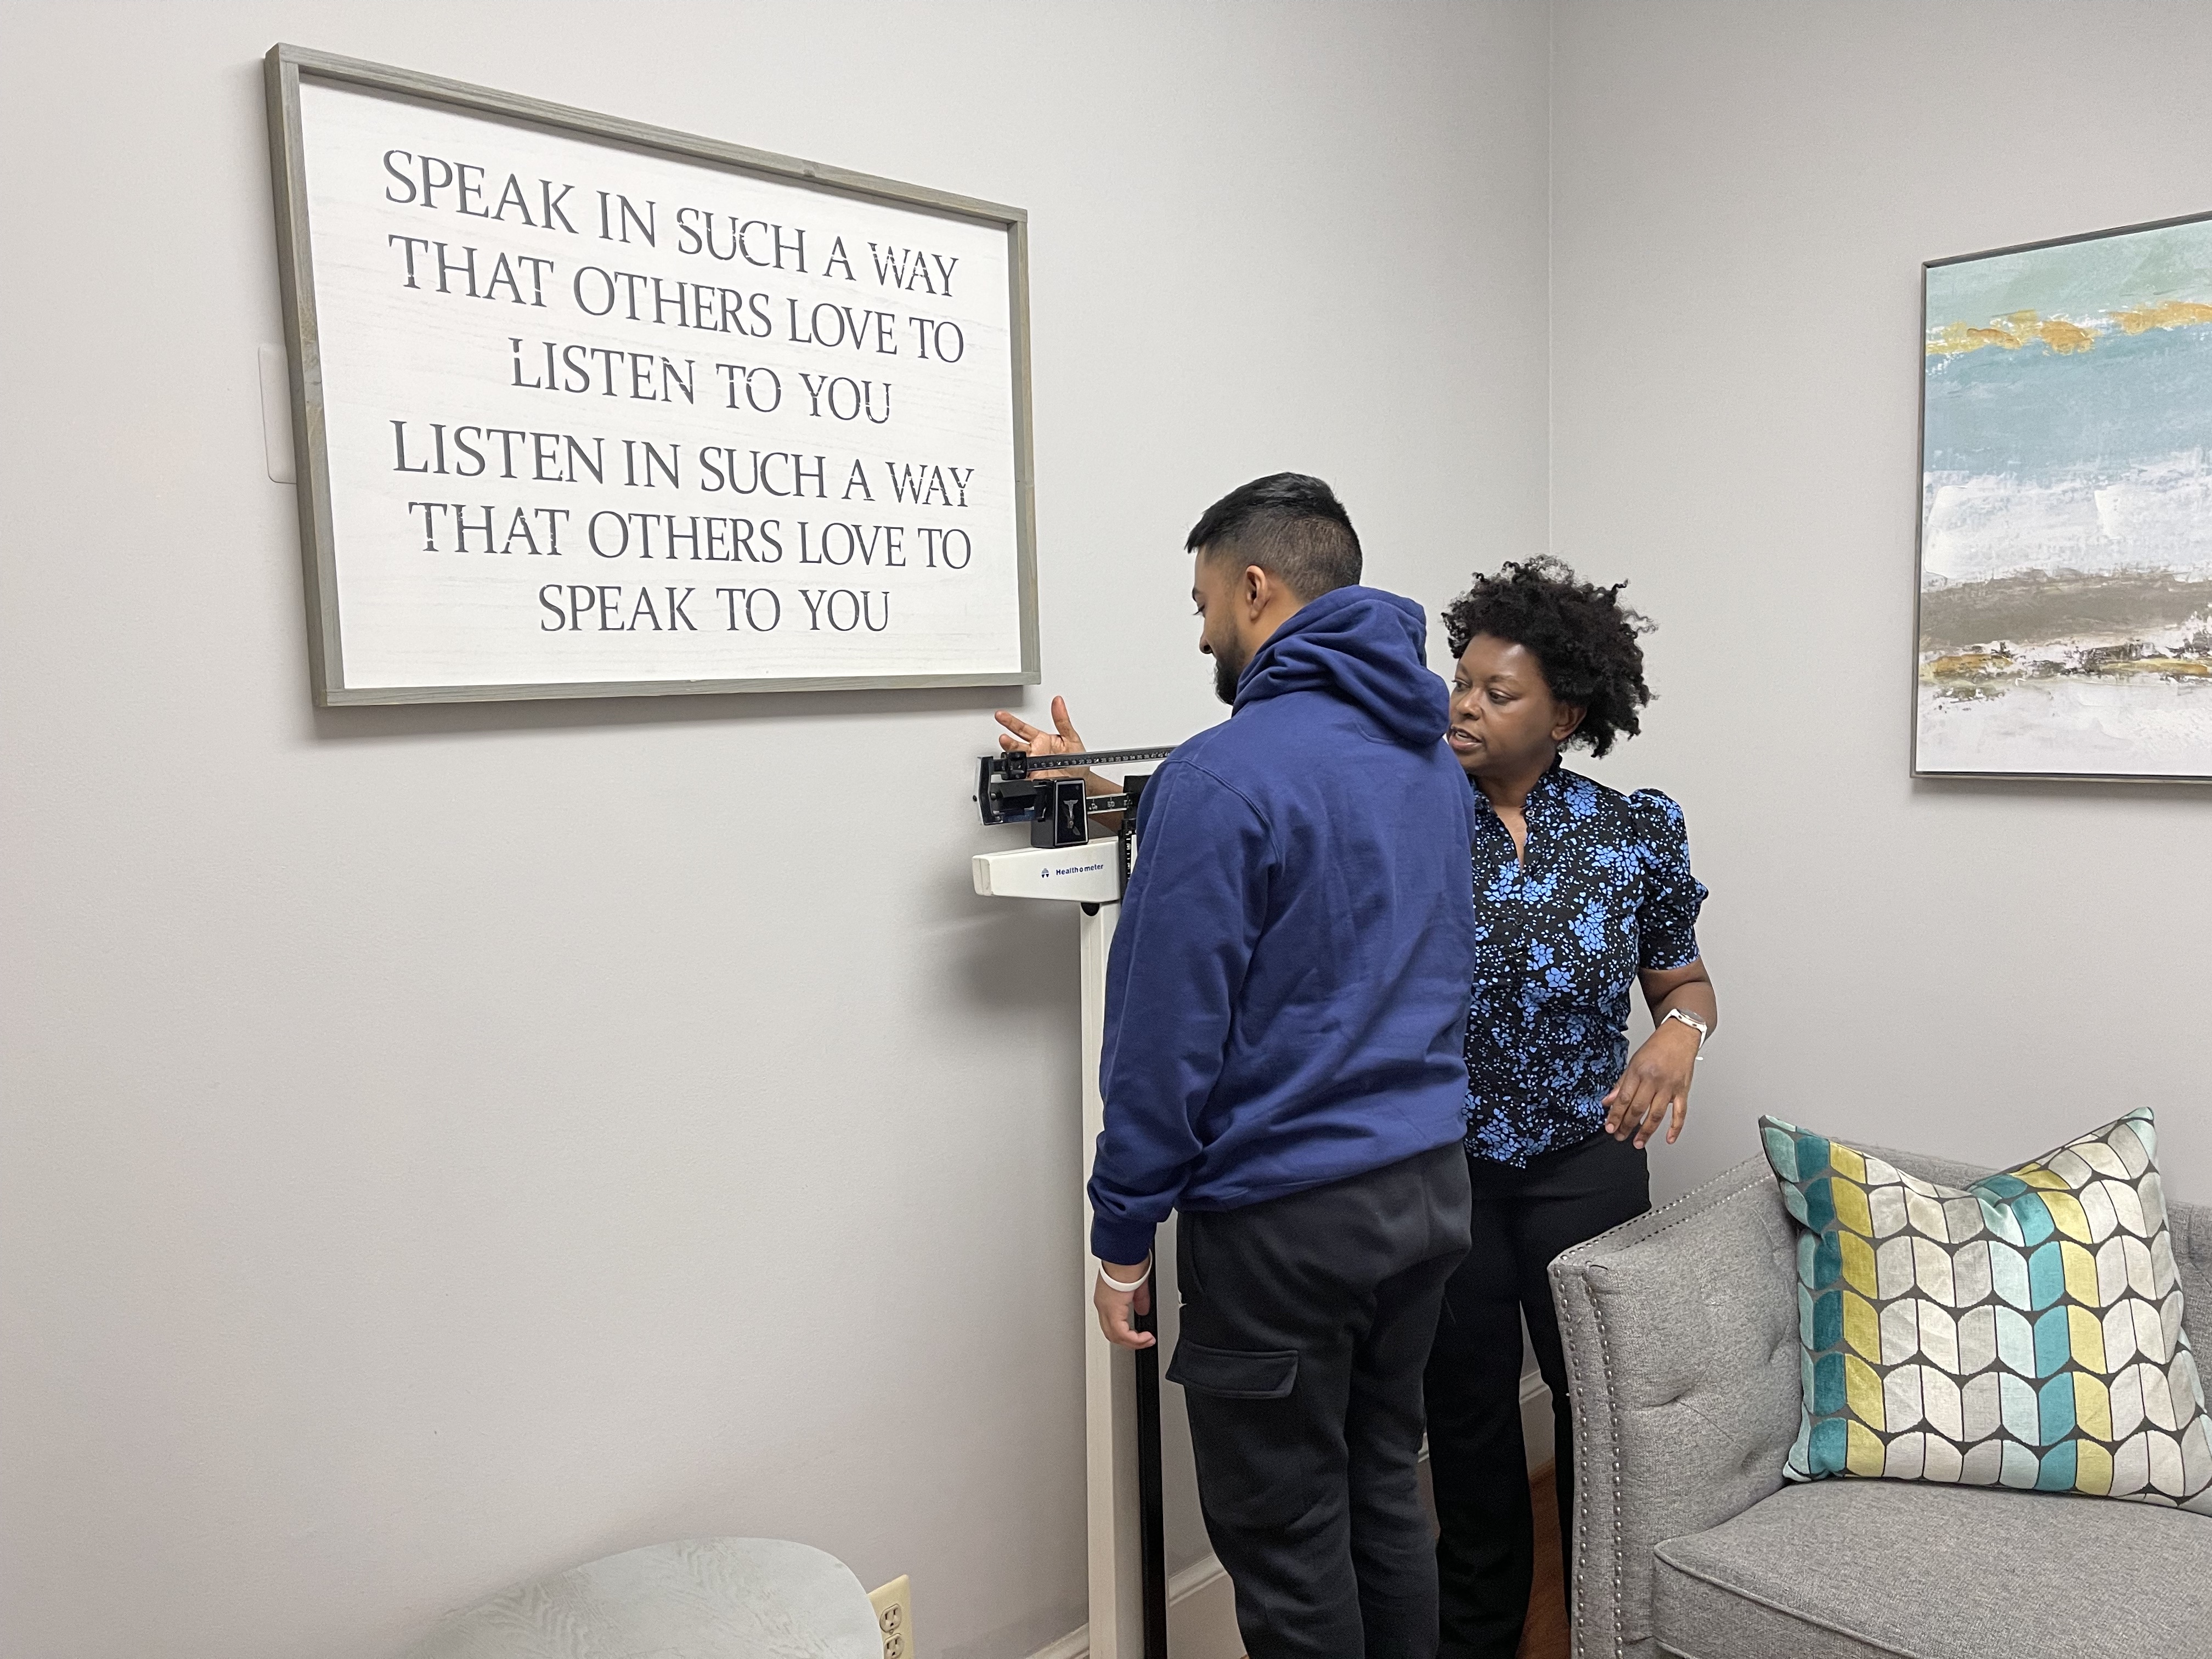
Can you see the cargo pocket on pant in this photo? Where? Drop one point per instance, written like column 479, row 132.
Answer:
column 1259, row 1471
column 1232, row 1374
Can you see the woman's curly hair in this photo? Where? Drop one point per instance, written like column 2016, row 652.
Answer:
column 1580, row 633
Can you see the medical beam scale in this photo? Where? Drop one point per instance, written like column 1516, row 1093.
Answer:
column 1128, row 1579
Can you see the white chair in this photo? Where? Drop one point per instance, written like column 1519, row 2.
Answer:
column 700, row 1598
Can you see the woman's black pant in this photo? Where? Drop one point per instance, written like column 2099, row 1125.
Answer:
column 1485, row 1557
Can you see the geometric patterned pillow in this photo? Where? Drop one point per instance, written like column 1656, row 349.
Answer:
column 2025, row 1331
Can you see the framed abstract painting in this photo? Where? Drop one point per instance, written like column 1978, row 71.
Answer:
column 2065, row 568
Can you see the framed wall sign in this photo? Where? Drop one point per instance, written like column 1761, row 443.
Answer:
column 2065, row 585
column 585, row 407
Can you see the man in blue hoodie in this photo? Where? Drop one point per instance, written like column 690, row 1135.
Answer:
column 1285, row 1014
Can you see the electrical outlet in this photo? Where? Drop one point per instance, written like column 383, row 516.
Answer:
column 894, row 1606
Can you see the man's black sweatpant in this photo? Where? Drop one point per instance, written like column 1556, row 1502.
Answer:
column 1521, row 1219
column 1306, row 1322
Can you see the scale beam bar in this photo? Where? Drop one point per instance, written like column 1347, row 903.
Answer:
column 1019, row 766
column 1008, row 786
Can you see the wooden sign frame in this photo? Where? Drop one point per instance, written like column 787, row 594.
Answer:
column 287, row 66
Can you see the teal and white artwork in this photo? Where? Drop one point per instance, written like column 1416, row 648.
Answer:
column 2065, row 605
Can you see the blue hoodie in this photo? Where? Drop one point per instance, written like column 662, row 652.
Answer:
column 1286, row 997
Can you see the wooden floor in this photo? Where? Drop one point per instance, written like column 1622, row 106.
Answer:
column 1545, row 1635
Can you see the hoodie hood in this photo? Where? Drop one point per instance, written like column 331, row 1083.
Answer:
column 1287, row 995
column 1363, row 645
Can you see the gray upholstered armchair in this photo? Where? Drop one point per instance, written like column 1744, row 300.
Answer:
column 1681, row 1331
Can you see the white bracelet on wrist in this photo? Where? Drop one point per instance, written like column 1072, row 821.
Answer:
column 1696, row 1025
column 1113, row 1283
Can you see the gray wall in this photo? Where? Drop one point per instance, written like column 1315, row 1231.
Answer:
column 1741, row 197
column 443, row 1145
column 440, row 1145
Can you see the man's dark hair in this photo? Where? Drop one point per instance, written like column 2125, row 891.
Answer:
column 1580, row 634
column 1290, row 526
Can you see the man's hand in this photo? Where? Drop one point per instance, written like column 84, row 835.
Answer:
column 1020, row 737
column 1117, row 1309
column 1656, row 1087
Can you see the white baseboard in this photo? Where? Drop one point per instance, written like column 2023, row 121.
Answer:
column 1074, row 1645
column 1201, row 1606
column 1202, row 1613
column 1201, row 1619
column 1537, row 1431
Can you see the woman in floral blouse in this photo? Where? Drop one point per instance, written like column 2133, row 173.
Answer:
column 1582, row 894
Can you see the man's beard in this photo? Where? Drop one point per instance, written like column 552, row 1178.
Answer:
column 1228, row 668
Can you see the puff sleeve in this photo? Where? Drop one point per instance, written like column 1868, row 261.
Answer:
column 1667, row 913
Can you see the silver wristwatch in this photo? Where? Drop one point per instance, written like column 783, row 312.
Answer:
column 1696, row 1025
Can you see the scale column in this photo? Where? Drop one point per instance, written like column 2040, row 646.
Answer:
column 1109, row 1377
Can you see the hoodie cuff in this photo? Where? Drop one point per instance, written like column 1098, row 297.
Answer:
column 1124, row 1242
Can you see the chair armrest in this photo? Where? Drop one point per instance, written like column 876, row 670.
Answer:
column 1681, row 1334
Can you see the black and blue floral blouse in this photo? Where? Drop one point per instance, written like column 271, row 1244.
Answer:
column 1605, row 891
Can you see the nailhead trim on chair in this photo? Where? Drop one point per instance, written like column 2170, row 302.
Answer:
column 1581, row 1502
column 1753, row 1179
column 1582, row 1499
column 1613, row 1410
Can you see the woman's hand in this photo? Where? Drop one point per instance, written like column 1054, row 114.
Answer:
column 1656, row 1087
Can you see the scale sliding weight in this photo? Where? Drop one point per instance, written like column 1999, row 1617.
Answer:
column 1128, row 1576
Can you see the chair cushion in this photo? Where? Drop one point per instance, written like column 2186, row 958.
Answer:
column 1844, row 1568
column 2026, row 1330
column 699, row 1598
